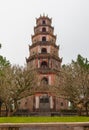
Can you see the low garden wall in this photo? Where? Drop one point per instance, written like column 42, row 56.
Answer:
column 44, row 126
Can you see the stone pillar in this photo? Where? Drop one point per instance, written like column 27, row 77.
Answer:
column 48, row 49
column 39, row 49
column 37, row 102
column 51, row 102
column 50, row 80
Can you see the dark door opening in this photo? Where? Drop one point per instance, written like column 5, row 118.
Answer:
column 43, row 39
column 44, row 103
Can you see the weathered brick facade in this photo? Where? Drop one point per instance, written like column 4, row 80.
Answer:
column 44, row 58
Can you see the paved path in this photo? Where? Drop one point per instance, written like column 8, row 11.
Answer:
column 48, row 124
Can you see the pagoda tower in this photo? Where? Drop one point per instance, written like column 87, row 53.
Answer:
column 44, row 59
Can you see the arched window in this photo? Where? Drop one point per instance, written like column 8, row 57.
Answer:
column 43, row 50
column 44, row 81
column 43, row 29
column 43, row 39
column 43, row 22
column 44, row 64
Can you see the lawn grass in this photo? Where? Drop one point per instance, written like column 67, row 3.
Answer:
column 42, row 119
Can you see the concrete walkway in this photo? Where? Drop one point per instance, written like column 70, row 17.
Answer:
column 47, row 124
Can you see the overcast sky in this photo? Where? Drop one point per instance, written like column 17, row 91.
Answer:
column 70, row 19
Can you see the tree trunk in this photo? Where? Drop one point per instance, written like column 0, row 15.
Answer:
column 15, row 108
column 8, row 111
column 79, row 111
column 0, row 110
column 86, row 109
column 0, row 107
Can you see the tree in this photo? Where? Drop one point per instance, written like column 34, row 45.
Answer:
column 3, row 63
column 16, row 83
column 24, row 84
column 73, row 83
column 82, row 70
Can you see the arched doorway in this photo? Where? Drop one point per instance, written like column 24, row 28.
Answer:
column 43, row 29
column 43, row 22
column 43, row 50
column 43, row 39
column 44, row 81
column 44, row 64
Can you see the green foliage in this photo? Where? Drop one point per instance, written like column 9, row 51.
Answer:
column 82, row 62
column 3, row 62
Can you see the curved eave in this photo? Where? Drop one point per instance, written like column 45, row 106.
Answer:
column 43, row 17
column 47, row 43
column 44, row 33
column 40, row 55
column 44, row 25
column 48, row 71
